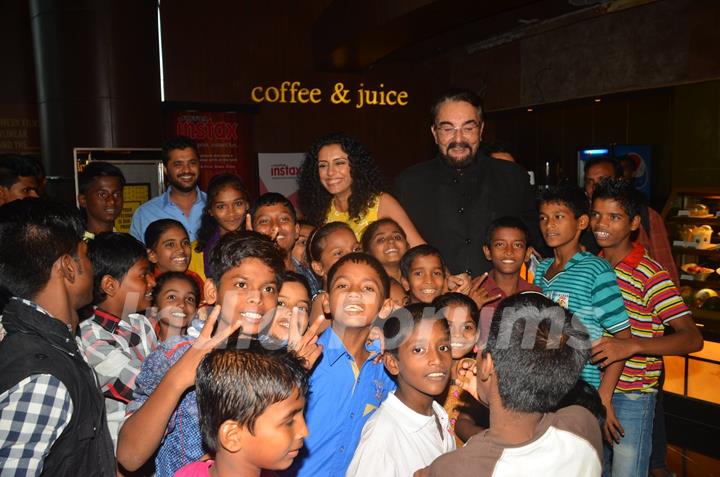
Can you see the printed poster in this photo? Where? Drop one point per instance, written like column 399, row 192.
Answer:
column 279, row 172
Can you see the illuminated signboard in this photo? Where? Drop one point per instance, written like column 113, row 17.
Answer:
column 292, row 92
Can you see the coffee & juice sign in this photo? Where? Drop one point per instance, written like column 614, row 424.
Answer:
column 294, row 92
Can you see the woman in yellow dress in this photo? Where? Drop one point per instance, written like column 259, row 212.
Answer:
column 340, row 182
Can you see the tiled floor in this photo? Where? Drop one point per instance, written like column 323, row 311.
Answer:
column 686, row 463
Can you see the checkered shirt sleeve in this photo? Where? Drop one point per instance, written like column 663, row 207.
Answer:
column 33, row 414
column 117, row 357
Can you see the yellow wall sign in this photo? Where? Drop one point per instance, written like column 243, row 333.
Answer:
column 292, row 93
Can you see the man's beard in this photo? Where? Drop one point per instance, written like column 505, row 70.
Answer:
column 455, row 162
column 180, row 187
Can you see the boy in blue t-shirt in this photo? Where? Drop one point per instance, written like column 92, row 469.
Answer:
column 347, row 384
column 583, row 284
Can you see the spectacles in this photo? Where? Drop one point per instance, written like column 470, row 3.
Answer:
column 447, row 130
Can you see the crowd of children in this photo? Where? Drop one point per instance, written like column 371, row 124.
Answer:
column 271, row 347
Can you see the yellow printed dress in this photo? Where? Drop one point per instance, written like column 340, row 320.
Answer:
column 358, row 227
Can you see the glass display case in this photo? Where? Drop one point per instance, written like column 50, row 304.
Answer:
column 692, row 218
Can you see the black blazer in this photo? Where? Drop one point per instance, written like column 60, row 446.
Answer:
column 452, row 209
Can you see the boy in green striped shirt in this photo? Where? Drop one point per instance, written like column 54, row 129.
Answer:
column 584, row 284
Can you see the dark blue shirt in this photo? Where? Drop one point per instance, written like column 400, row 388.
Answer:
column 341, row 398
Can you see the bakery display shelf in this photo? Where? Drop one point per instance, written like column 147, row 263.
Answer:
column 714, row 284
column 712, row 220
column 697, row 251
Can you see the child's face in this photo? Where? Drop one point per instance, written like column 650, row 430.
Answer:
column 558, row 224
column 278, row 435
column 463, row 330
column 172, row 252
column 426, row 278
column 176, row 303
column 334, row 169
column 423, row 360
column 388, row 244
column 507, row 251
column 355, row 295
column 277, row 222
column 292, row 294
column 247, row 292
column 339, row 243
column 138, row 281
column 229, row 209
column 26, row 186
column 398, row 295
column 104, row 199
column 299, row 250
column 610, row 224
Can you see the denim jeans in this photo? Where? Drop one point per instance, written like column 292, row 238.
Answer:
column 631, row 457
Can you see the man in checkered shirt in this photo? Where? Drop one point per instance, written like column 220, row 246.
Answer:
column 52, row 415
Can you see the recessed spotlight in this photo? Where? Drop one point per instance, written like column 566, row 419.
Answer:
column 530, row 110
column 598, row 100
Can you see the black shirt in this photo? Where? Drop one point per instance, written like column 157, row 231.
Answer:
column 452, row 208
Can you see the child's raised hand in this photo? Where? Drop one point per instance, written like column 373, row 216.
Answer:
column 479, row 294
column 305, row 345
column 186, row 367
column 248, row 222
column 376, row 333
column 467, row 376
column 459, row 283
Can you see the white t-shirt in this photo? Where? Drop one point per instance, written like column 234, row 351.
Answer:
column 567, row 442
column 397, row 441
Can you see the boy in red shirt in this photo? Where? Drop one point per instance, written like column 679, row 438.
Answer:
column 652, row 302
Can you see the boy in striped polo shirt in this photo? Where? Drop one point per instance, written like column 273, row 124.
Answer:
column 583, row 284
column 652, row 302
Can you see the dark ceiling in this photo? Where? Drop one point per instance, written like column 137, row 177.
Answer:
column 352, row 36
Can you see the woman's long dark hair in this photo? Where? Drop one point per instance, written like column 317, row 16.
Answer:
column 367, row 181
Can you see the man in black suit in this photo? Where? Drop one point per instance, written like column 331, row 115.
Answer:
column 452, row 198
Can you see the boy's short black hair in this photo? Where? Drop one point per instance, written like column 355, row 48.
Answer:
column 396, row 327
column 163, row 278
column 630, row 199
column 240, row 385
column 537, row 350
column 617, row 167
column 234, row 247
column 274, row 198
column 369, row 260
column 154, row 231
column 15, row 166
column 506, row 222
column 113, row 254
column 175, row 143
column 305, row 223
column 372, row 228
column 97, row 169
column 34, row 233
column 293, row 277
column 316, row 242
column 458, row 299
column 573, row 198
column 423, row 250
column 583, row 394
